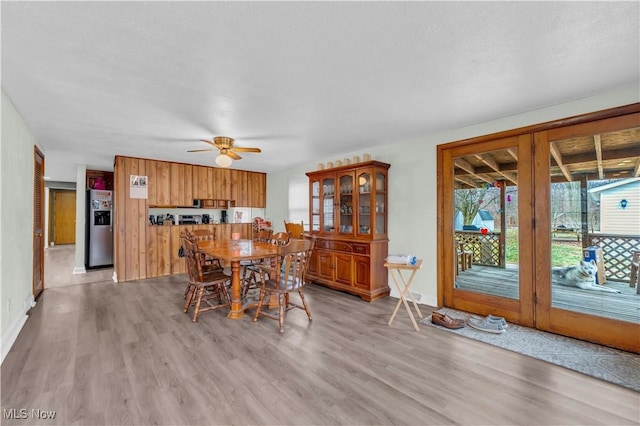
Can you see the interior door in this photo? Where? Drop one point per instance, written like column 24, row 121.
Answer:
column 486, row 228
column 38, row 223
column 64, row 217
column 586, row 187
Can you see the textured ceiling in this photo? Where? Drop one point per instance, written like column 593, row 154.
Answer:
column 303, row 81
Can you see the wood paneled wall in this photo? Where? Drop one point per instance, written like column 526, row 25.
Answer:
column 142, row 250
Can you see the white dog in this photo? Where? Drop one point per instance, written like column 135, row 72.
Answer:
column 582, row 276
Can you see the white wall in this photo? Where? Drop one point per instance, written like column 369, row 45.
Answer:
column 412, row 180
column 16, row 222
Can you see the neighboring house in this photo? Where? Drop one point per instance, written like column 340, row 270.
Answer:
column 619, row 204
column 483, row 219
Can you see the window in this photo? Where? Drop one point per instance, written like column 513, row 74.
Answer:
column 299, row 201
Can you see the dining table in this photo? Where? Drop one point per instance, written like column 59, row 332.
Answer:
column 233, row 252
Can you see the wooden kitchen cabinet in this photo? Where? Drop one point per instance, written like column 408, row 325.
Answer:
column 202, row 182
column 142, row 250
column 163, row 183
column 221, row 184
column 348, row 209
column 181, row 185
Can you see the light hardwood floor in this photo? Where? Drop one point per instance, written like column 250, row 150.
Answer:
column 58, row 268
column 119, row 354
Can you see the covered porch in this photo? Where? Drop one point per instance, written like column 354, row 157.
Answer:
column 503, row 282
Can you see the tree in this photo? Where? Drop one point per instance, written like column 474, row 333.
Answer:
column 470, row 201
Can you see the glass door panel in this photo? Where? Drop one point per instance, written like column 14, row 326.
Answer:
column 346, row 204
column 594, row 222
column 315, row 205
column 328, row 188
column 380, row 204
column 485, row 223
column 364, row 203
column 486, row 244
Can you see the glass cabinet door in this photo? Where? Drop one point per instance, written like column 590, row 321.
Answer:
column 315, row 205
column 364, row 203
column 346, row 204
column 328, row 218
column 380, row 204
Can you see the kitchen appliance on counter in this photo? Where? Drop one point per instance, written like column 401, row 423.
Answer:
column 206, row 218
column 99, row 229
column 223, row 216
column 185, row 219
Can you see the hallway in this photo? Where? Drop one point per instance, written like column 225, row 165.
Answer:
column 58, row 268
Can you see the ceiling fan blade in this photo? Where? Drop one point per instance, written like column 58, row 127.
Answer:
column 209, row 142
column 240, row 149
column 233, row 155
column 200, row 150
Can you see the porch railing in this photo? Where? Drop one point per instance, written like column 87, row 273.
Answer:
column 616, row 253
column 486, row 248
column 616, row 250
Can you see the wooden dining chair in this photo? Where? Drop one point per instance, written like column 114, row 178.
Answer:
column 207, row 235
column 295, row 230
column 250, row 268
column 208, row 263
column 208, row 285
column 263, row 266
column 292, row 261
column 280, row 238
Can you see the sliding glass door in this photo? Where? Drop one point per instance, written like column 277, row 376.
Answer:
column 542, row 226
column 588, row 212
column 487, row 227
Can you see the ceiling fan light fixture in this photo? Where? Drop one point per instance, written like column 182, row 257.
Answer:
column 223, row 160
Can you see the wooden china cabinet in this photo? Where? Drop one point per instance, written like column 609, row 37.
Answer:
column 348, row 216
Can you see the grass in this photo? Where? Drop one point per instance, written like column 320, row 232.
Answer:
column 563, row 253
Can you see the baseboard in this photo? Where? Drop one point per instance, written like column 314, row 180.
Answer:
column 79, row 270
column 10, row 336
column 430, row 301
column 420, row 298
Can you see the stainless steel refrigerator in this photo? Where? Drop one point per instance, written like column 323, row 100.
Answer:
column 99, row 232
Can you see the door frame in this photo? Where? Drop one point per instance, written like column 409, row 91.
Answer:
column 535, row 280
column 38, row 223
column 607, row 331
column 514, row 310
column 53, row 207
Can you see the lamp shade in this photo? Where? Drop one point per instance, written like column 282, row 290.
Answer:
column 223, row 160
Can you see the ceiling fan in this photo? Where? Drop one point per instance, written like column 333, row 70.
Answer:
column 228, row 152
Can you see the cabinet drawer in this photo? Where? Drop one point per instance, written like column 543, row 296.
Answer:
column 361, row 248
column 334, row 245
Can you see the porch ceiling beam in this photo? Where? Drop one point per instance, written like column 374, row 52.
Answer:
column 614, row 154
column 466, row 180
column 617, row 174
column 461, row 164
column 507, row 167
column 598, row 145
column 489, row 161
column 555, row 152
column 511, row 176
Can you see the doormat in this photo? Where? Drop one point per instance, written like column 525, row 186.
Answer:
column 608, row 364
